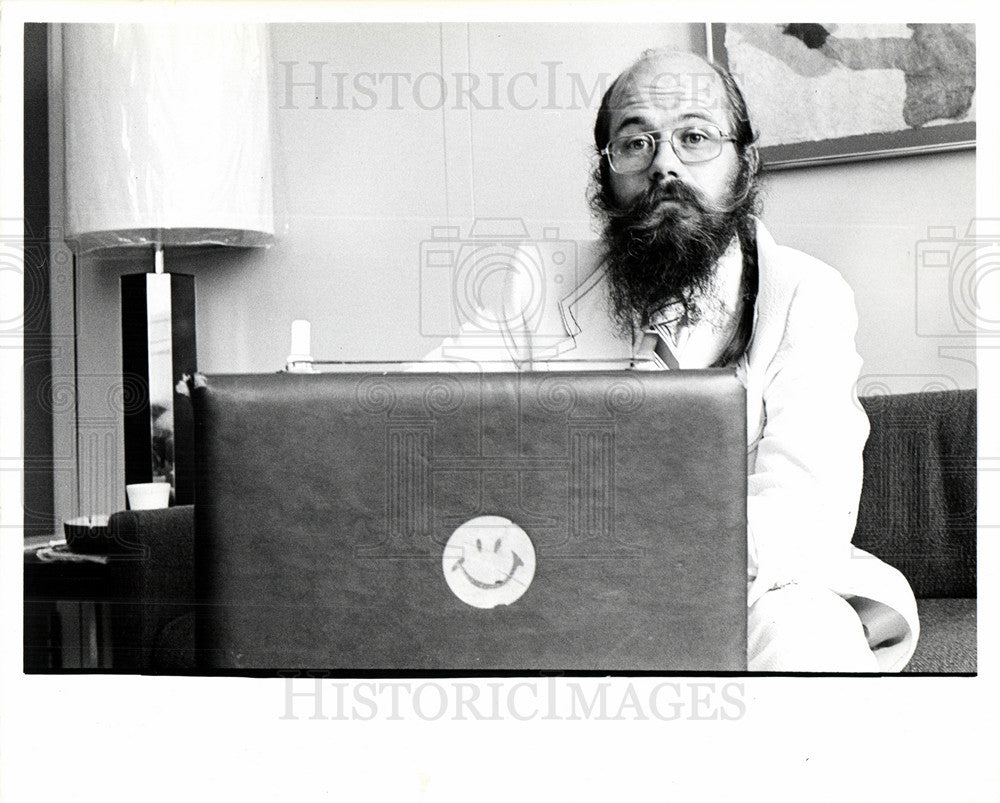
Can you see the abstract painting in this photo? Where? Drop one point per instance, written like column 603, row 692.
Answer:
column 833, row 92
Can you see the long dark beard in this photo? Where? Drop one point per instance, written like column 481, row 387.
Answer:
column 664, row 246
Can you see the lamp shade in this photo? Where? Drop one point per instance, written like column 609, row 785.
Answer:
column 167, row 135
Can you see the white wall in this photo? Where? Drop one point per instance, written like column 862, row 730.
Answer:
column 366, row 187
column 363, row 188
column 871, row 221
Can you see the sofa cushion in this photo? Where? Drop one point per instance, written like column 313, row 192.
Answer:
column 918, row 504
column 947, row 636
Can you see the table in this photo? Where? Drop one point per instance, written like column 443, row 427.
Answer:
column 66, row 610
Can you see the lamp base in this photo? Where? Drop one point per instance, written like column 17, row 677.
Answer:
column 158, row 347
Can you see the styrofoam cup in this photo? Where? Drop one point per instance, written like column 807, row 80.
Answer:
column 148, row 495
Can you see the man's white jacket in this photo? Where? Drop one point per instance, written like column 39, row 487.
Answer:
column 806, row 428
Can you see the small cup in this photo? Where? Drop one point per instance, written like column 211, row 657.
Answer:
column 148, row 495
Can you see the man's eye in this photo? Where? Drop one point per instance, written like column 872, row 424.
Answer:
column 635, row 144
column 698, row 137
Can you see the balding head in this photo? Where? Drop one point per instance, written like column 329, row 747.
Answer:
column 667, row 71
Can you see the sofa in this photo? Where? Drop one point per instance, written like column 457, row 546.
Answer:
column 917, row 513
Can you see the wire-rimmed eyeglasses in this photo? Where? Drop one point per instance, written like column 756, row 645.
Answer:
column 633, row 153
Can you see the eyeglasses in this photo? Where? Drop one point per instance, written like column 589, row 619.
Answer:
column 633, row 153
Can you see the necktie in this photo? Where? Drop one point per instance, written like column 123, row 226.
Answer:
column 657, row 341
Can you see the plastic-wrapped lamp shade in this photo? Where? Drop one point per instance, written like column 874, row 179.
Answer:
column 167, row 135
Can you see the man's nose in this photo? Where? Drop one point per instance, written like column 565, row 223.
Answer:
column 665, row 164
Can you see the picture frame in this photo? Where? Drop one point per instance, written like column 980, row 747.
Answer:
column 819, row 150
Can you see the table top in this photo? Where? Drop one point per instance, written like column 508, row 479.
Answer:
column 53, row 572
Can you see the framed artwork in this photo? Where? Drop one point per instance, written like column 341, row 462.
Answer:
column 821, row 93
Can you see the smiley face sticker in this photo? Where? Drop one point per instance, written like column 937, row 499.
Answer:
column 488, row 561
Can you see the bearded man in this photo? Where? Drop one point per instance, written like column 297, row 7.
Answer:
column 685, row 276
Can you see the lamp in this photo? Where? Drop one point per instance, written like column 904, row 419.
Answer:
column 167, row 144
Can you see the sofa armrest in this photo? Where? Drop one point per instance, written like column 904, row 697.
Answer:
column 154, row 621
